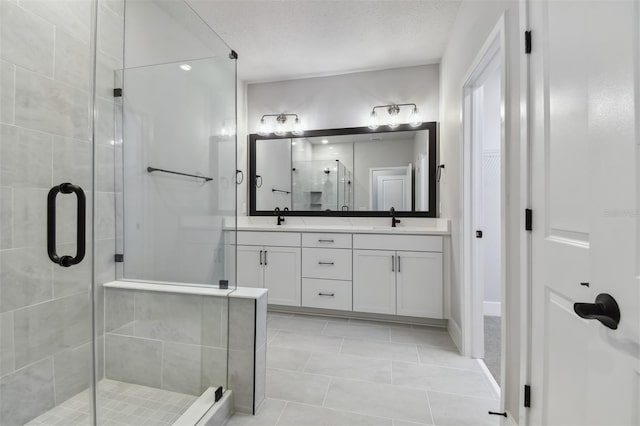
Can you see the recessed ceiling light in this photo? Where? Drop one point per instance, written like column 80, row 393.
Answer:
column 185, row 67
column 293, row 143
column 325, row 141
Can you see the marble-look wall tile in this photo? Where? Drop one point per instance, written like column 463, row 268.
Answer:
column 72, row 61
column 118, row 308
column 214, row 321
column 51, row 106
column 25, row 157
column 26, row 39
column 133, row 360
column 110, row 32
column 72, row 372
column 29, row 217
column 105, row 212
column 72, row 162
column 169, row 317
column 6, row 217
column 6, row 343
column 72, row 15
column 7, row 84
column 105, row 266
column 214, row 367
column 115, row 6
column 47, row 328
column 105, row 119
column 105, row 168
column 26, row 393
column 241, row 324
column 106, row 67
column 25, row 278
column 182, row 368
column 241, row 370
column 77, row 279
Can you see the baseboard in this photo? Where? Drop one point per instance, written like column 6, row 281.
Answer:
column 509, row 420
column 492, row 381
column 492, row 309
column 455, row 333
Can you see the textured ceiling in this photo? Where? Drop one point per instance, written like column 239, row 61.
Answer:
column 283, row 39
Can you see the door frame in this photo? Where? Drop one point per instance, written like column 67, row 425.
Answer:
column 472, row 314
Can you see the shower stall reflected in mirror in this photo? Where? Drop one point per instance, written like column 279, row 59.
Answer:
column 114, row 136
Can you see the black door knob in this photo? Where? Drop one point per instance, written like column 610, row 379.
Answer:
column 605, row 309
column 478, row 234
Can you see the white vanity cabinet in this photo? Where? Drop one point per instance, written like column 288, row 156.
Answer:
column 384, row 273
column 271, row 260
column 405, row 282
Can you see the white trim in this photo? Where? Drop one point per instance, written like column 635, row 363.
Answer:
column 525, row 202
column 492, row 309
column 472, row 324
column 455, row 333
column 509, row 421
column 492, row 381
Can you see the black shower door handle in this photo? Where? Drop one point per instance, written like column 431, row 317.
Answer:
column 66, row 260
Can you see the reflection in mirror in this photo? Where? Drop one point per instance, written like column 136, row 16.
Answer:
column 355, row 172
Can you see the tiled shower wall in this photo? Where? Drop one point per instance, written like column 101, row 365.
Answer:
column 45, row 139
column 171, row 341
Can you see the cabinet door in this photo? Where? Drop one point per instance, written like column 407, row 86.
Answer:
column 282, row 275
column 374, row 281
column 419, row 284
column 250, row 270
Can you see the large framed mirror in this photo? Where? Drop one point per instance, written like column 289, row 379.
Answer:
column 345, row 172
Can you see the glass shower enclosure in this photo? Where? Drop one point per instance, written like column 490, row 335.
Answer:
column 117, row 171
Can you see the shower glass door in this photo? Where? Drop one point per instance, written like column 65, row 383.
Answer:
column 47, row 191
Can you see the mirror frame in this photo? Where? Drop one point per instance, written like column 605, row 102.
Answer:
column 431, row 126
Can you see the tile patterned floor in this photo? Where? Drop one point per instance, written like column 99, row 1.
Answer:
column 339, row 372
column 120, row 404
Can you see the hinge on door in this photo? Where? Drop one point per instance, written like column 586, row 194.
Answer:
column 117, row 92
column 527, row 42
column 527, row 396
column 528, row 220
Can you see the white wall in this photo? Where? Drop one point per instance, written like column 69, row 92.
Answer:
column 473, row 24
column 342, row 100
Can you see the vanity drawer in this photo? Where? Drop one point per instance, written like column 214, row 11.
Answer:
column 327, row 294
column 326, row 240
column 331, row 264
column 397, row 242
column 277, row 238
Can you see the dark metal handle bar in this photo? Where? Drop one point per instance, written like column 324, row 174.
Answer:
column 326, row 294
column 393, row 263
column 325, row 241
column 326, row 263
column 153, row 169
column 256, row 183
column 398, row 263
column 81, row 232
column 261, row 257
column 280, row 190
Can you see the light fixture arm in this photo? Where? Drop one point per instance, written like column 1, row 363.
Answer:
column 280, row 117
column 394, row 107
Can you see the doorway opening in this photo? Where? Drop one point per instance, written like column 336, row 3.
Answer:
column 484, row 211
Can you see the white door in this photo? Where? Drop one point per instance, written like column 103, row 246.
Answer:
column 419, row 284
column 250, row 269
column 282, row 275
column 585, row 74
column 391, row 190
column 374, row 281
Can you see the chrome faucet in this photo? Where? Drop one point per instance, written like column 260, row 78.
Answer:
column 394, row 221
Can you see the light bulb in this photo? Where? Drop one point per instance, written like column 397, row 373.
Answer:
column 414, row 118
column 373, row 120
column 263, row 128
column 297, row 128
column 394, row 116
column 281, row 129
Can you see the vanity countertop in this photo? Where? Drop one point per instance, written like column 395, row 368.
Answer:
column 408, row 226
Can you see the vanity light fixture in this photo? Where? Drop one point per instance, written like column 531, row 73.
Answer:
column 281, row 127
column 394, row 116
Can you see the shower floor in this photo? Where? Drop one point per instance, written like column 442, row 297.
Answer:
column 120, row 404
